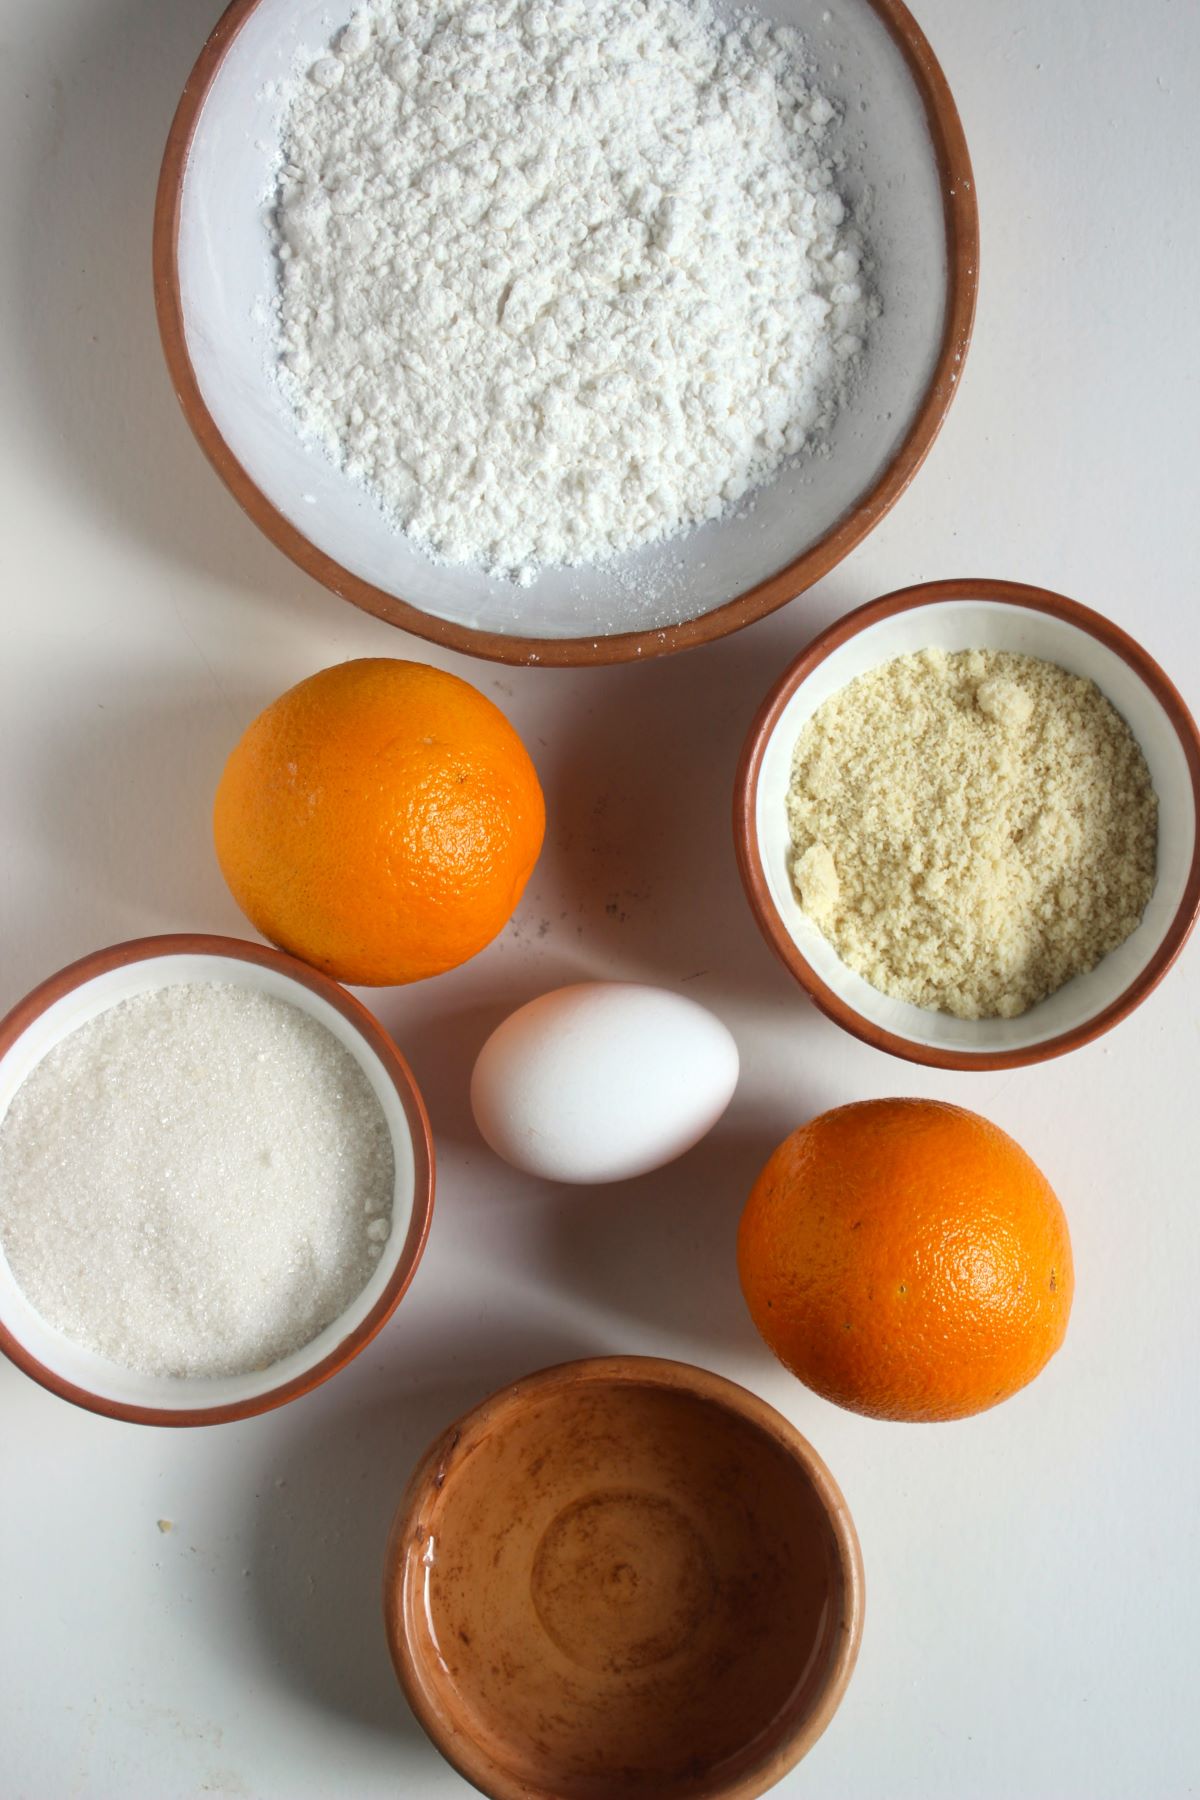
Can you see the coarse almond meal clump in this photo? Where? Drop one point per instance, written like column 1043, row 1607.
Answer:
column 970, row 829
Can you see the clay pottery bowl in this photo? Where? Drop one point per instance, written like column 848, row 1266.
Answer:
column 215, row 273
column 78, row 993
column 623, row 1576
column 974, row 615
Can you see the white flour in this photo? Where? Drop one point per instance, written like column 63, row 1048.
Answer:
column 559, row 279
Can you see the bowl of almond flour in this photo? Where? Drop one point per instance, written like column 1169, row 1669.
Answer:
column 967, row 822
column 566, row 333
column 216, row 1180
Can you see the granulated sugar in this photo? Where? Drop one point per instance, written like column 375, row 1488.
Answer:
column 971, row 829
column 560, row 280
column 196, row 1182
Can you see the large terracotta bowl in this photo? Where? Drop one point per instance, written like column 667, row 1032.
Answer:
column 214, row 279
column 76, row 994
column 968, row 615
column 623, row 1576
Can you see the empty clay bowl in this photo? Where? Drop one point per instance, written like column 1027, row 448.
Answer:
column 623, row 1576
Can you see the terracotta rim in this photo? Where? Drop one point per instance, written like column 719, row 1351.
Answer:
column 459, row 1439
column 745, row 806
column 118, row 956
column 962, row 258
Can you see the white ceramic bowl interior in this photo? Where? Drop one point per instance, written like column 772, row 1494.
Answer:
column 97, row 1374
column 985, row 625
column 227, row 280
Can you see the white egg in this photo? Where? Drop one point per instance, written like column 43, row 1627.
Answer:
column 602, row 1081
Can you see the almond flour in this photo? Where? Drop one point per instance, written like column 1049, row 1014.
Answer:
column 971, row 829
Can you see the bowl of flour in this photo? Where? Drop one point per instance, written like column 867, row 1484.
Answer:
column 216, row 1180
column 968, row 822
column 569, row 333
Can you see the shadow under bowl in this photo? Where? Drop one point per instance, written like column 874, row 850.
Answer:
column 215, row 276
column 974, row 615
column 99, row 981
column 623, row 1575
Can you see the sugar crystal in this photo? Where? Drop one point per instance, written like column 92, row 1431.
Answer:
column 195, row 1182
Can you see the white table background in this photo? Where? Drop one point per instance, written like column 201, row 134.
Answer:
column 1033, row 1576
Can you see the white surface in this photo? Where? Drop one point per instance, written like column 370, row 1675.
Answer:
column 226, row 267
column 1033, row 1576
column 986, row 625
column 97, row 1374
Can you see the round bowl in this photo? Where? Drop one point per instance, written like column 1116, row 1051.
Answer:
column 214, row 279
column 970, row 615
column 66, row 1001
column 623, row 1576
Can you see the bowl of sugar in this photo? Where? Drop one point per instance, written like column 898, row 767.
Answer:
column 566, row 334
column 967, row 820
column 216, row 1180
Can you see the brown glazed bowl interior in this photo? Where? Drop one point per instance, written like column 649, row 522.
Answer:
column 213, row 276
column 962, row 615
column 76, row 994
column 623, row 1576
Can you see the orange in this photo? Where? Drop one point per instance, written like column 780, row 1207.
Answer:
column 380, row 820
column 907, row 1260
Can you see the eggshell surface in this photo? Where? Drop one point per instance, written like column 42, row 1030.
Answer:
column 602, row 1081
